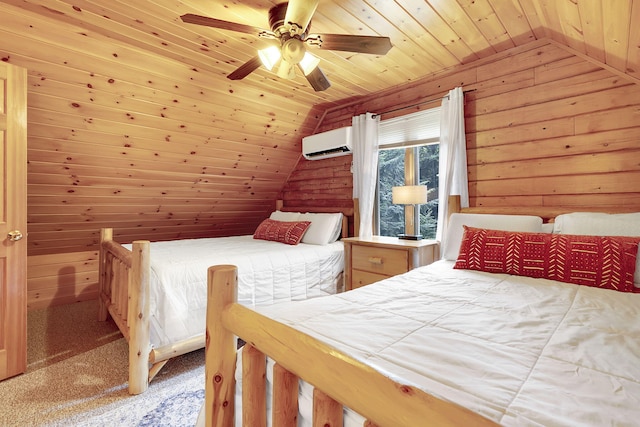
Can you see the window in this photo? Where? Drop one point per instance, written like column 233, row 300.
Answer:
column 409, row 155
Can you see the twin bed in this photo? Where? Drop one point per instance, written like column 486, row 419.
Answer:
column 156, row 292
column 530, row 326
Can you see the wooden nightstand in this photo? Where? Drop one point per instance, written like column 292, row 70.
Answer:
column 370, row 260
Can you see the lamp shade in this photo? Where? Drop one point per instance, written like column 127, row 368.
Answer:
column 309, row 63
column 269, row 56
column 409, row 195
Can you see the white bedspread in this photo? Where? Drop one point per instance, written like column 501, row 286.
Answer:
column 521, row 351
column 268, row 272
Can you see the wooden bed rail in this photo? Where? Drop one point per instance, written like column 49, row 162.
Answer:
column 341, row 378
column 124, row 295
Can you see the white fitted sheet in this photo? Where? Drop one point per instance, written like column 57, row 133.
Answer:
column 520, row 351
column 268, row 272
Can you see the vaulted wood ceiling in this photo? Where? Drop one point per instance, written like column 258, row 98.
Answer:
column 133, row 123
column 428, row 36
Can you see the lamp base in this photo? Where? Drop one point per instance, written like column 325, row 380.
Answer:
column 410, row 236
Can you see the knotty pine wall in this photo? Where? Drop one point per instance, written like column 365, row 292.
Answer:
column 544, row 128
column 157, row 147
column 161, row 150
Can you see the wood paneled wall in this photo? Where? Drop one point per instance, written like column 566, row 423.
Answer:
column 62, row 278
column 158, row 150
column 544, row 127
column 155, row 147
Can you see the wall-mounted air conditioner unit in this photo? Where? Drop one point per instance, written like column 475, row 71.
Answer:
column 323, row 145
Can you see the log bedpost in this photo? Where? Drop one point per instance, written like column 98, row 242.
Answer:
column 326, row 411
column 220, row 349
column 254, row 386
column 454, row 204
column 285, row 398
column 138, row 318
column 103, row 287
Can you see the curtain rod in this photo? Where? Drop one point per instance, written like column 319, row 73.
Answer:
column 429, row 101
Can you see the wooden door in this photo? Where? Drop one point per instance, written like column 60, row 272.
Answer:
column 13, row 220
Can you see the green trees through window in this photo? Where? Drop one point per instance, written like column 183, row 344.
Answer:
column 391, row 172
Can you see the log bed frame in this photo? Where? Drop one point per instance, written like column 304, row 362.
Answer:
column 339, row 380
column 124, row 296
column 342, row 379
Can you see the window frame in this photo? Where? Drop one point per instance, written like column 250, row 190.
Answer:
column 411, row 164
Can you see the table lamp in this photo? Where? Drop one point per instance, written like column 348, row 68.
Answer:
column 410, row 196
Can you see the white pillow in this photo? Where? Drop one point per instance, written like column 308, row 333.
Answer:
column 601, row 224
column 598, row 224
column 453, row 238
column 284, row 216
column 547, row 227
column 325, row 228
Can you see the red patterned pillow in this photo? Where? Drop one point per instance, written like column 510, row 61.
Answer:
column 600, row 261
column 289, row 232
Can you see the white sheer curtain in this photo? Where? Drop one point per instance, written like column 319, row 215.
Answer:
column 453, row 157
column 365, row 167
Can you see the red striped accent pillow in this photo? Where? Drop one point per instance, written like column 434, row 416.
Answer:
column 289, row 232
column 600, row 261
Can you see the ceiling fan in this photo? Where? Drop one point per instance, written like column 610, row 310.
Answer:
column 290, row 24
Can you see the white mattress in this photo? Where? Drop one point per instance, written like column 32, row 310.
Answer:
column 520, row 351
column 268, row 272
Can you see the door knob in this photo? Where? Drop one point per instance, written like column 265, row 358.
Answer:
column 15, row 235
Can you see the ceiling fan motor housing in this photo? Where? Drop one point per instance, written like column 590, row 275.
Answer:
column 293, row 50
column 292, row 46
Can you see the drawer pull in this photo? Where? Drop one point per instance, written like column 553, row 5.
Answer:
column 375, row 260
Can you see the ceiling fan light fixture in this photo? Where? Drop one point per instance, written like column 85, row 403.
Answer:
column 269, row 56
column 286, row 70
column 290, row 24
column 293, row 50
column 309, row 63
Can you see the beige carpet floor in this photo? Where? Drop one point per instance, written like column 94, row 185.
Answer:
column 77, row 375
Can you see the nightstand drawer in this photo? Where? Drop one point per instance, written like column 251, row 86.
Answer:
column 369, row 260
column 362, row 278
column 388, row 262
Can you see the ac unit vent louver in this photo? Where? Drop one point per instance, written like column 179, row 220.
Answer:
column 328, row 144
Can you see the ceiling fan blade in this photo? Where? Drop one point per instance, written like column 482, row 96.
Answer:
column 190, row 18
column 299, row 12
column 318, row 80
column 245, row 69
column 362, row 44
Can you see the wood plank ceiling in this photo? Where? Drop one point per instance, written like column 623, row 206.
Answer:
column 428, row 36
column 133, row 123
